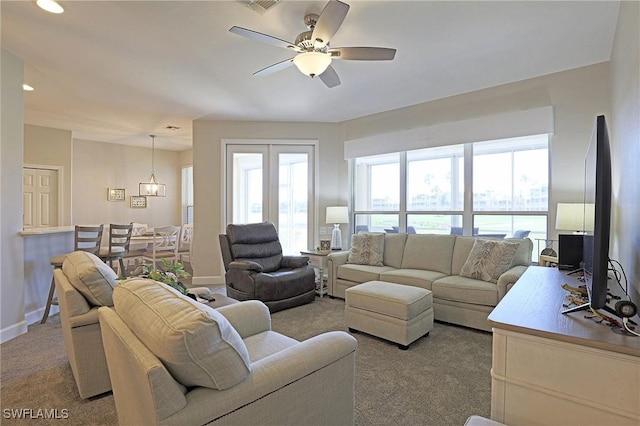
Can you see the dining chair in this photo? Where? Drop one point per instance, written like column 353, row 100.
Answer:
column 119, row 240
column 86, row 238
column 166, row 240
column 186, row 240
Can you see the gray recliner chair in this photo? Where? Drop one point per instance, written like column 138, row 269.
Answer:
column 257, row 270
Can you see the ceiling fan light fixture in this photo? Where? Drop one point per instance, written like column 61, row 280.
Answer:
column 51, row 6
column 312, row 63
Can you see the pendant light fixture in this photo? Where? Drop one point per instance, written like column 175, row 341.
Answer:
column 152, row 188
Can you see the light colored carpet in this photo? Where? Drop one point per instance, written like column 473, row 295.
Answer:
column 441, row 380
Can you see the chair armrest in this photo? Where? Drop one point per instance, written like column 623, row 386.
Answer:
column 333, row 261
column 245, row 265
column 248, row 318
column 330, row 357
column 294, row 261
column 508, row 279
column 85, row 319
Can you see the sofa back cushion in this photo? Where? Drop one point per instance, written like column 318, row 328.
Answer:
column 196, row 344
column 93, row 278
column 429, row 252
column 256, row 242
column 394, row 249
column 523, row 254
column 461, row 251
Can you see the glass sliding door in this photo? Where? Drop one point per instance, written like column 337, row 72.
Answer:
column 275, row 183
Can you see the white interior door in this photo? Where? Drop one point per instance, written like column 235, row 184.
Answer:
column 275, row 183
column 39, row 197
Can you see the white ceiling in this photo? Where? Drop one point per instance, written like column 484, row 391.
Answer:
column 117, row 71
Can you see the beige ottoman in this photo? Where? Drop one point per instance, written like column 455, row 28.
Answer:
column 395, row 312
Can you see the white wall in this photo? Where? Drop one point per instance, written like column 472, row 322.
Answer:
column 624, row 131
column 208, row 179
column 12, row 318
column 576, row 96
column 98, row 166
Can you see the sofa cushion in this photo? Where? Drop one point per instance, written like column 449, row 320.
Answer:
column 465, row 290
column 361, row 273
column 412, row 277
column 93, row 278
column 394, row 249
column 430, row 252
column 488, row 260
column 366, row 249
column 196, row 344
column 523, row 254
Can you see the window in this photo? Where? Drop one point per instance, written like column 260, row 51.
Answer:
column 187, row 194
column 424, row 191
column 377, row 190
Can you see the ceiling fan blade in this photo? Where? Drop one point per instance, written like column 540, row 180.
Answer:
column 275, row 67
column 328, row 23
column 263, row 38
column 330, row 77
column 363, row 53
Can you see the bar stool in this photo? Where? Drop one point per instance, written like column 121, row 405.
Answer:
column 86, row 238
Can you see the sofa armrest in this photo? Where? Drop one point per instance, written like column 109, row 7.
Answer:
column 248, row 318
column 245, row 265
column 294, row 262
column 333, row 261
column 508, row 279
column 325, row 362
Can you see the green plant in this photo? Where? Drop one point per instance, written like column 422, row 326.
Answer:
column 169, row 273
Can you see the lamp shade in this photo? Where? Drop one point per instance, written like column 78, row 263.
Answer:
column 577, row 217
column 338, row 214
column 312, row 63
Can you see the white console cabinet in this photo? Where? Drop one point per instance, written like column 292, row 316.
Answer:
column 551, row 368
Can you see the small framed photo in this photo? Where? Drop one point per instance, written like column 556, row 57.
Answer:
column 325, row 245
column 116, row 194
column 138, row 202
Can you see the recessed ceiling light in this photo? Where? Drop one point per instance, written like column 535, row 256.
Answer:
column 27, row 88
column 50, row 6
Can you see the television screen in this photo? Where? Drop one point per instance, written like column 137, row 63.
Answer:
column 597, row 201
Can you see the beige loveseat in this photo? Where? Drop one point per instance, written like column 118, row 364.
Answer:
column 434, row 262
column 173, row 360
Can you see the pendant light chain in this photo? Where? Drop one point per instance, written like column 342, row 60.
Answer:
column 153, row 150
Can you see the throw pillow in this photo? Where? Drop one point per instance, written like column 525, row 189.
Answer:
column 367, row 249
column 196, row 343
column 488, row 260
column 93, row 278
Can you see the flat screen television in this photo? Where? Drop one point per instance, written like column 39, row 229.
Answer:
column 597, row 218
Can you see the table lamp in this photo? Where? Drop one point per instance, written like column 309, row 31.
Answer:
column 337, row 215
column 576, row 217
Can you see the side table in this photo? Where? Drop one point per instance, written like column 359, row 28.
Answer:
column 318, row 259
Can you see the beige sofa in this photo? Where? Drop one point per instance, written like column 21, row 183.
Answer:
column 434, row 262
column 175, row 361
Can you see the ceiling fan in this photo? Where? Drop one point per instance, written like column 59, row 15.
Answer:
column 314, row 53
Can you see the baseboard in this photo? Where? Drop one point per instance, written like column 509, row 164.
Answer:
column 13, row 331
column 36, row 316
column 207, row 280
